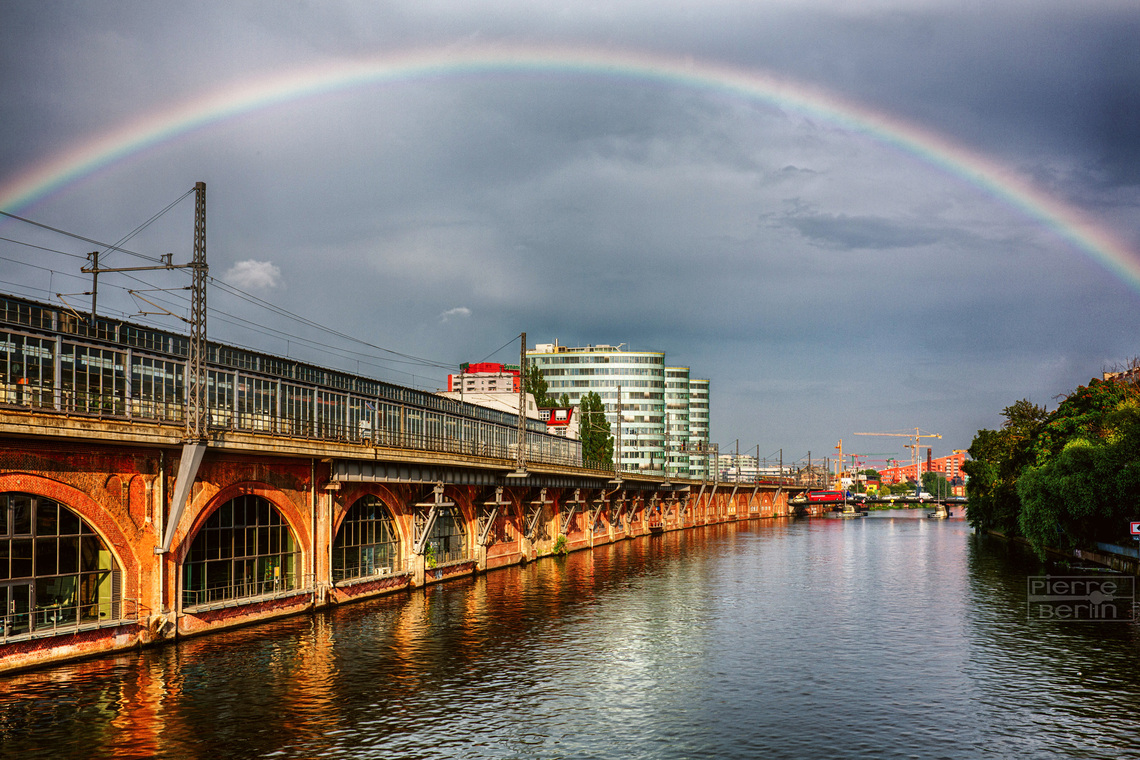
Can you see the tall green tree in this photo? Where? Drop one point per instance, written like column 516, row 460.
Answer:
column 537, row 386
column 1083, row 484
column 935, row 483
column 997, row 458
column 597, row 440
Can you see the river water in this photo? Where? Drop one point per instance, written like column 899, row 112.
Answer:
column 882, row 637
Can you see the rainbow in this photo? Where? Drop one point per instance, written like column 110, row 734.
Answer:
column 158, row 127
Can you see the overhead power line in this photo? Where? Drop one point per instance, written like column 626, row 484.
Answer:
column 392, row 356
column 48, row 227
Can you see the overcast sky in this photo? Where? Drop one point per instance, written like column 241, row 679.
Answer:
column 826, row 280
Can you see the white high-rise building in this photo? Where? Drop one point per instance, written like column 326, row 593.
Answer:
column 640, row 376
column 658, row 404
column 677, row 431
column 698, row 448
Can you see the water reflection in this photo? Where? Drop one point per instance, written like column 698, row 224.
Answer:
column 885, row 636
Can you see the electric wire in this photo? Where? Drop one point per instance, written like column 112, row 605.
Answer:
column 118, row 246
column 497, row 350
column 42, row 248
column 68, row 234
column 43, row 269
column 404, row 358
column 176, row 301
column 225, row 286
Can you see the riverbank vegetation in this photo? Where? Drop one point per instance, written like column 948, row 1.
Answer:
column 1063, row 479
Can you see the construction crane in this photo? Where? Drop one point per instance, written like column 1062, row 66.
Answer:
column 858, row 460
column 917, row 436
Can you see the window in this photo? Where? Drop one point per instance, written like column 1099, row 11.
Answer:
column 244, row 550
column 367, row 542
column 298, row 410
column 27, row 371
column 55, row 571
column 157, row 388
column 447, row 541
column 256, row 403
column 93, row 380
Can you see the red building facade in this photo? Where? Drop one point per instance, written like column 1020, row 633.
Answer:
column 484, row 377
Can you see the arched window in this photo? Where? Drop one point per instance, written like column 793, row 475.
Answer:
column 447, row 541
column 245, row 549
column 56, row 573
column 367, row 542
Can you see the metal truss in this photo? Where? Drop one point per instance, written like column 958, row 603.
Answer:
column 488, row 512
column 534, row 513
column 424, row 518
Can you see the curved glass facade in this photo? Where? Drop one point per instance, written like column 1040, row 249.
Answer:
column 367, row 542
column 699, row 466
column 245, row 549
column 56, row 572
column 640, row 375
column 677, row 421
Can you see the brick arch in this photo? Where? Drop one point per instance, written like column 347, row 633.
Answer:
column 516, row 512
column 462, row 499
column 100, row 519
column 387, row 497
column 296, row 517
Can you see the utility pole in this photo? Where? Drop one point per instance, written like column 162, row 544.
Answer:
column 94, row 256
column 194, row 444
column 196, row 363
column 196, row 392
column 617, row 456
column 520, row 444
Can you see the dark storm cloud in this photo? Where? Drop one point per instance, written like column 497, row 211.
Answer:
column 852, row 233
column 823, row 281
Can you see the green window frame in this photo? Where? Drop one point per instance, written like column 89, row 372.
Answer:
column 245, row 549
column 367, row 542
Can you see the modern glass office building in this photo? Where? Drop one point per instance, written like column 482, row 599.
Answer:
column 699, row 465
column 640, row 376
column 677, row 421
column 654, row 401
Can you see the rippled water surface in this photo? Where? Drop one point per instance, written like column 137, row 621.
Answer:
column 888, row 636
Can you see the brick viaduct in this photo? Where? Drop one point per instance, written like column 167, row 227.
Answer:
column 119, row 476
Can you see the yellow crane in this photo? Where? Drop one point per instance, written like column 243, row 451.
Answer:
column 917, row 435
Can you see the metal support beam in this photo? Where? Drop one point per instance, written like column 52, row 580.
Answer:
column 535, row 513
column 487, row 518
column 601, row 500
column 422, row 524
column 573, row 504
column 620, row 504
column 192, row 453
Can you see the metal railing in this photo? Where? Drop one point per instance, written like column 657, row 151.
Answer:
column 541, row 448
column 370, row 572
column 246, row 591
column 434, row 556
column 58, row 620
